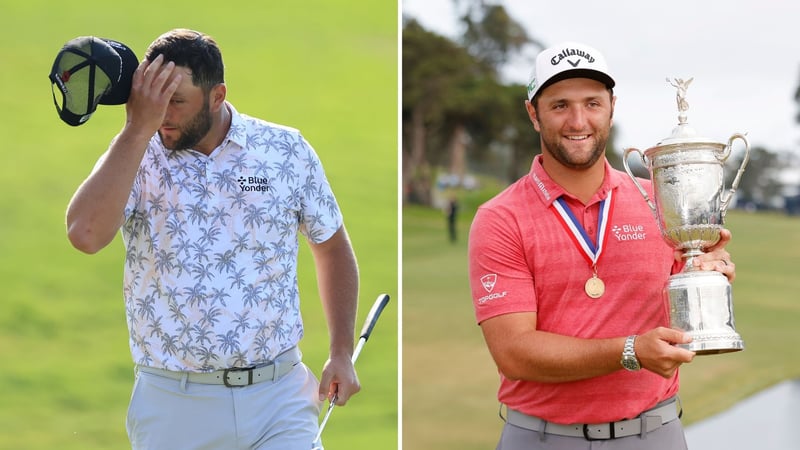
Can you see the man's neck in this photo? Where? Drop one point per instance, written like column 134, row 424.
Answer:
column 580, row 183
column 219, row 129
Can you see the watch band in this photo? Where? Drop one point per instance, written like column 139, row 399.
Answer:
column 629, row 360
column 628, row 349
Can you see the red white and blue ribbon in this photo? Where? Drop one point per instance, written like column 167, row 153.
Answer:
column 590, row 251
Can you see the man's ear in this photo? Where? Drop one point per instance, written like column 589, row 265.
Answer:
column 218, row 94
column 613, row 102
column 532, row 115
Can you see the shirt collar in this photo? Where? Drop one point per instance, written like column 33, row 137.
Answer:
column 237, row 132
column 548, row 190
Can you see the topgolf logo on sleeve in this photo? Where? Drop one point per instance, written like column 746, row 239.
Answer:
column 489, row 281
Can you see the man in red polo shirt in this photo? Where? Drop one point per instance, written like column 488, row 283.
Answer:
column 566, row 268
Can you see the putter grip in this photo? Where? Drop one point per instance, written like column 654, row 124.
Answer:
column 373, row 315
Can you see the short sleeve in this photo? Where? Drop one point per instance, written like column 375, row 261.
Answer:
column 499, row 274
column 320, row 216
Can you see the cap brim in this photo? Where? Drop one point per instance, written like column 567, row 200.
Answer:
column 119, row 94
column 578, row 73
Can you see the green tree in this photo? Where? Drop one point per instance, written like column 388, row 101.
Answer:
column 518, row 135
column 759, row 184
column 456, row 111
column 436, row 71
column 490, row 34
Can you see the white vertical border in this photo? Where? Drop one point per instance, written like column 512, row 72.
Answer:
column 399, row 224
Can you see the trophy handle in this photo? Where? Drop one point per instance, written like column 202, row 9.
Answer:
column 625, row 154
column 726, row 201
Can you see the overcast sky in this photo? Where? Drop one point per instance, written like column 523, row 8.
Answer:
column 744, row 57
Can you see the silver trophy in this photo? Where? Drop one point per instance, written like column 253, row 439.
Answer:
column 690, row 206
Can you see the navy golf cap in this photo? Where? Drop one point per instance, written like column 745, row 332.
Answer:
column 89, row 71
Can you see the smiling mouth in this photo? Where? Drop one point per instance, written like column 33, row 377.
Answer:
column 578, row 138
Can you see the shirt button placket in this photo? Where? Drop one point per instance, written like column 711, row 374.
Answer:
column 589, row 223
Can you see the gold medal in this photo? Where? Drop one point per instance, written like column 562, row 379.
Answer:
column 594, row 287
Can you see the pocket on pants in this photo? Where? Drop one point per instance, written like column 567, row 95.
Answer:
column 294, row 421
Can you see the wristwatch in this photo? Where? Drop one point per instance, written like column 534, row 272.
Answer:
column 629, row 360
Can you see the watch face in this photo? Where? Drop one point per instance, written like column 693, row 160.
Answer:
column 630, row 363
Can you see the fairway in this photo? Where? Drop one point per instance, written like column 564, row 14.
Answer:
column 449, row 378
column 328, row 68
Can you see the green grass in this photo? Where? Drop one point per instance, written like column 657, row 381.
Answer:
column 449, row 379
column 327, row 68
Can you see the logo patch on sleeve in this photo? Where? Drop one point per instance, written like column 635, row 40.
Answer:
column 489, row 281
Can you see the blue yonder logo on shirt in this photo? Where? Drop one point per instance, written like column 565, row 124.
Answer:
column 254, row 184
column 629, row 232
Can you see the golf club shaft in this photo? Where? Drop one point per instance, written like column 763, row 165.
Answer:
column 366, row 331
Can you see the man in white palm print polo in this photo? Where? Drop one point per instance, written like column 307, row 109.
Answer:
column 210, row 203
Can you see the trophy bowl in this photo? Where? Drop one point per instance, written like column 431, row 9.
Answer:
column 687, row 174
column 688, row 181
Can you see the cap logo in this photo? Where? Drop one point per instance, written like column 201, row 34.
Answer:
column 567, row 52
column 65, row 76
column 59, row 81
column 532, row 85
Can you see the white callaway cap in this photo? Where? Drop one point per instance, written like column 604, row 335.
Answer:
column 568, row 60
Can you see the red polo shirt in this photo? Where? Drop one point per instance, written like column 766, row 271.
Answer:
column 522, row 259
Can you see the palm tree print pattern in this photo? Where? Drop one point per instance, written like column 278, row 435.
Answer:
column 210, row 279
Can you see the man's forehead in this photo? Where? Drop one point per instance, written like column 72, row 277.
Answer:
column 571, row 87
column 186, row 86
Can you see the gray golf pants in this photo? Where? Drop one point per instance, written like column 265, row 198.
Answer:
column 668, row 437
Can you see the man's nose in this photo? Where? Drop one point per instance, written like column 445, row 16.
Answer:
column 576, row 118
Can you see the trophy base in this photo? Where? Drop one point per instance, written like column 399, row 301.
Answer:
column 713, row 345
column 701, row 304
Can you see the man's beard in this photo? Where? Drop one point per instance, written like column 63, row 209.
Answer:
column 553, row 144
column 193, row 132
column 561, row 155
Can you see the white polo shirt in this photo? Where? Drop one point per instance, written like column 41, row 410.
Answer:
column 211, row 247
